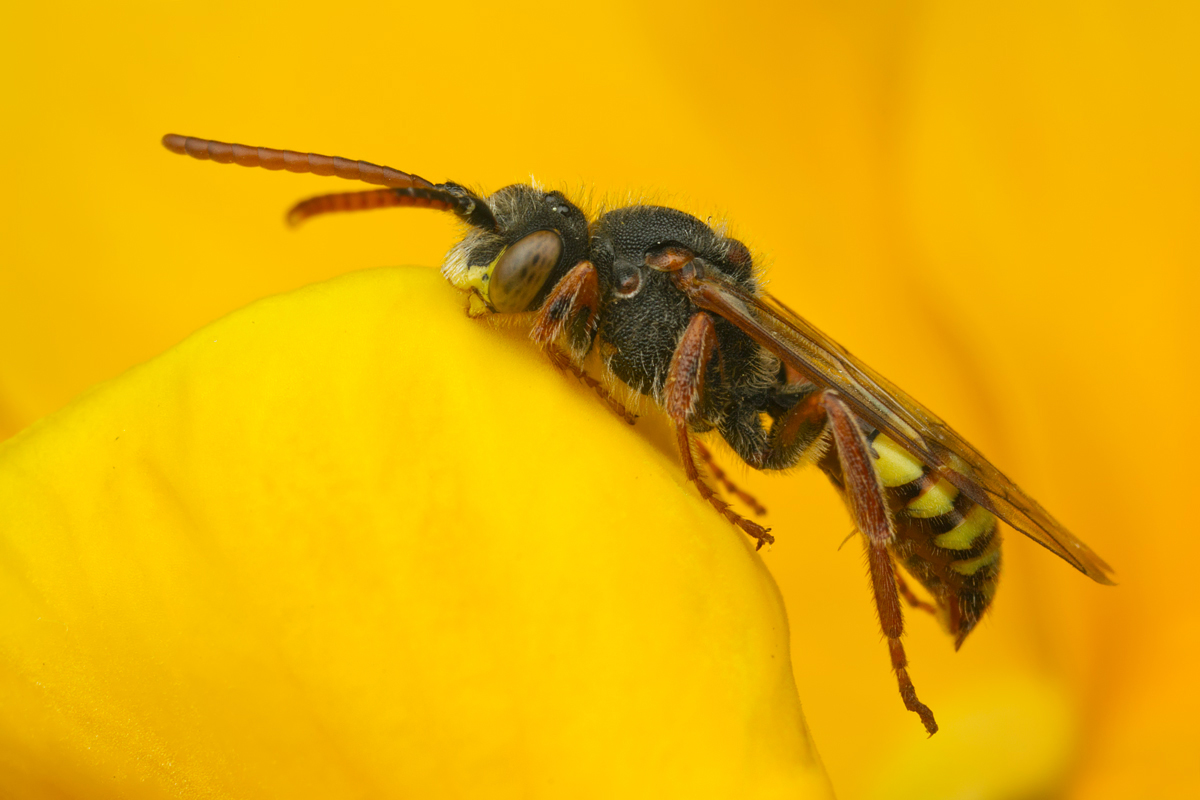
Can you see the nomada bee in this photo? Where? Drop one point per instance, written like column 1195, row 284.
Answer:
column 678, row 315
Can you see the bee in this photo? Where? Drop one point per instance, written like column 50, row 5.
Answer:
column 677, row 313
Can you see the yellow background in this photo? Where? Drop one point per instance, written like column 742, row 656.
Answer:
column 994, row 208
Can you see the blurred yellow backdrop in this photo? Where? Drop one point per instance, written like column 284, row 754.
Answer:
column 994, row 208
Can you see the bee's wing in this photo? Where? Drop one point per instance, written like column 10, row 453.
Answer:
column 885, row 406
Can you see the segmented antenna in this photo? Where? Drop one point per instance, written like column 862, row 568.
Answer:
column 363, row 201
column 405, row 189
column 292, row 161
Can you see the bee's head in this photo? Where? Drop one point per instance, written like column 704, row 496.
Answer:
column 534, row 238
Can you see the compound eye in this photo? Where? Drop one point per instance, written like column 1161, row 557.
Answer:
column 522, row 269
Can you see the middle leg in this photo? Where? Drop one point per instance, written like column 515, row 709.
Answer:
column 685, row 380
column 720, row 477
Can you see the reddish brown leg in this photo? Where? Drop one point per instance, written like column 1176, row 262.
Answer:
column 685, row 378
column 868, row 507
column 561, row 360
column 578, row 291
column 720, row 477
column 910, row 596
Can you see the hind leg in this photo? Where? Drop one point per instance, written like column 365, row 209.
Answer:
column 868, row 507
column 911, row 598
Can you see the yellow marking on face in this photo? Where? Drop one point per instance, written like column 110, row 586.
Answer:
column 895, row 466
column 935, row 501
column 977, row 522
column 476, row 306
column 973, row 565
column 477, row 278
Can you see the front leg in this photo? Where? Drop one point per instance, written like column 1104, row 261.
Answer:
column 571, row 309
column 685, row 382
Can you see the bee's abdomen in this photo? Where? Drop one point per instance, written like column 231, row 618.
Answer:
column 944, row 539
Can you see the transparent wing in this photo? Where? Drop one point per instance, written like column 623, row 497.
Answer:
column 888, row 408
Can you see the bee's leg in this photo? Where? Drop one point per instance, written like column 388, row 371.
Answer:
column 571, row 309
column 868, row 507
column 797, row 436
column 910, row 596
column 560, row 359
column 720, row 477
column 685, row 377
column 575, row 302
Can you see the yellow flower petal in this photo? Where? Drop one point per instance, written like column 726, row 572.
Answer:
column 347, row 542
